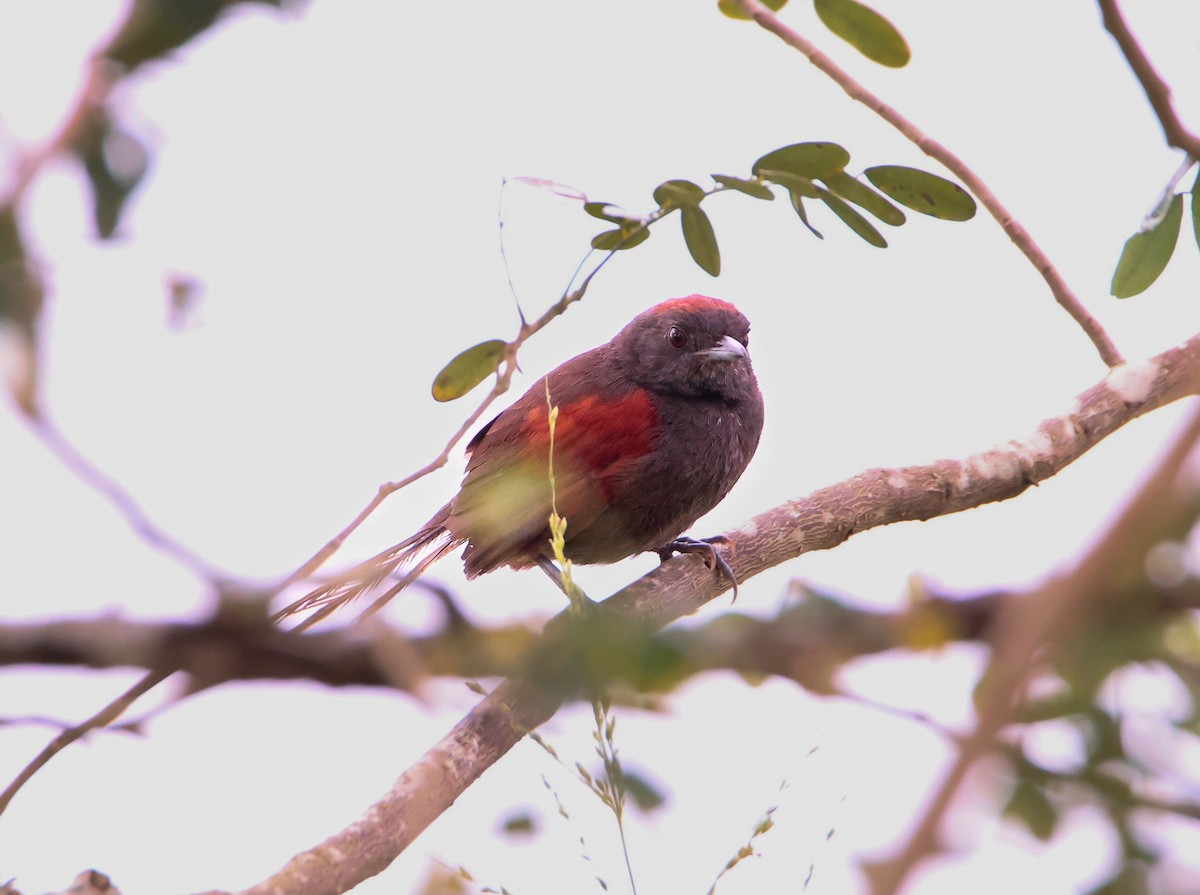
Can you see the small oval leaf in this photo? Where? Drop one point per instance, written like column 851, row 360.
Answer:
column 865, row 30
column 1145, row 255
column 605, row 211
column 923, row 192
column 701, row 240
column 678, row 193
column 734, row 10
column 853, row 220
column 468, row 369
column 618, row 240
column 754, row 188
column 863, row 196
column 811, row 160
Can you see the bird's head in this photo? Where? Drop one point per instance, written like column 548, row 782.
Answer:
column 695, row 346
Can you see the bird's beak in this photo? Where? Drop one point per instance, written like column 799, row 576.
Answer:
column 728, row 348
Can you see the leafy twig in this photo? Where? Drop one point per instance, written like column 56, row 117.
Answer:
column 1016, row 232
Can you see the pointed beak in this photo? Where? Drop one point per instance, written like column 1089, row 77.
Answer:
column 728, row 348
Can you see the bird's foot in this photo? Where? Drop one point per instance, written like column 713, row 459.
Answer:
column 704, row 548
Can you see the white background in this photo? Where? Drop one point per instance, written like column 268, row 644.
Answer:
column 333, row 178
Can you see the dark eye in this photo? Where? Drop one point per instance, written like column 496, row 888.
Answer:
column 677, row 337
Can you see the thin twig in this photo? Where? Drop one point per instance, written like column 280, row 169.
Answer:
column 102, row 718
column 122, row 500
column 1016, row 232
column 1155, row 88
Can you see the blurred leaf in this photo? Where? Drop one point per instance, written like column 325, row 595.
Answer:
column 115, row 163
column 865, row 30
column 811, row 160
column 1031, row 807
column 923, row 192
column 734, row 11
column 854, row 220
column 21, row 300
column 1131, row 879
column 520, row 824
column 678, row 194
column 863, row 196
column 701, row 240
column 645, row 794
column 468, row 369
column 153, row 28
column 749, row 187
column 618, row 240
column 1196, row 209
column 1145, row 255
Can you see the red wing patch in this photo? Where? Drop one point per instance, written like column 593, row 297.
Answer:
column 598, row 437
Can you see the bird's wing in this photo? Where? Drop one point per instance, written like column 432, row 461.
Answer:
column 506, row 498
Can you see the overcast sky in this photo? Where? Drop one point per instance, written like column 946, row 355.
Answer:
column 333, row 180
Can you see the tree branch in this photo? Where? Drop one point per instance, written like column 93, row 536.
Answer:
column 1016, row 232
column 677, row 588
column 1028, row 629
column 1155, row 88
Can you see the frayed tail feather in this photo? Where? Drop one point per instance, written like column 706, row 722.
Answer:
column 426, row 547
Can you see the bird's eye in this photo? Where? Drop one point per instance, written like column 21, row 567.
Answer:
column 677, row 337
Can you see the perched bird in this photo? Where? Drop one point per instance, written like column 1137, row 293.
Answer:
column 652, row 430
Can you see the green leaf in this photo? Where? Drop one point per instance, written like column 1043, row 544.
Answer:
column 923, row 192
column 624, row 238
column 754, row 188
column 468, row 369
column 863, row 196
column 811, row 160
column 865, row 30
column 798, row 204
column 701, row 240
column 854, row 220
column 794, row 182
column 1196, row 209
column 734, row 11
column 1030, row 806
column 1146, row 254
column 602, row 211
column 678, row 194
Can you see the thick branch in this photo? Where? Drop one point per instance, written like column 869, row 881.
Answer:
column 1016, row 232
column 677, row 588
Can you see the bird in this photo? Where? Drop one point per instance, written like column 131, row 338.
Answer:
column 652, row 430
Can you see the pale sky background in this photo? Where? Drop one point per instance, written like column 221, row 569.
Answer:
column 333, row 179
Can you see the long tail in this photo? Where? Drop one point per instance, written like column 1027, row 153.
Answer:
column 425, row 547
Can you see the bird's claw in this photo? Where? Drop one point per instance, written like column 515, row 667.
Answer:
column 705, row 549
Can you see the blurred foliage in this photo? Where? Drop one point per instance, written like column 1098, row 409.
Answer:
column 115, row 163
column 153, row 28
column 21, row 300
